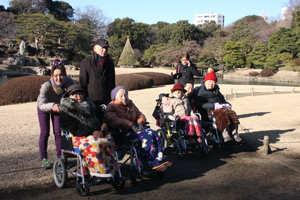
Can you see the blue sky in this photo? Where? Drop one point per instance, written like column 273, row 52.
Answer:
column 171, row 11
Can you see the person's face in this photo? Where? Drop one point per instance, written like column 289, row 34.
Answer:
column 78, row 96
column 178, row 93
column 58, row 77
column 122, row 96
column 102, row 51
column 210, row 84
column 184, row 60
column 189, row 89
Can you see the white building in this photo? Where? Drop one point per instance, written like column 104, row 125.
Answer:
column 203, row 18
column 286, row 13
column 263, row 15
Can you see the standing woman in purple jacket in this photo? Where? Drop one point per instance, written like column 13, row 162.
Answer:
column 48, row 107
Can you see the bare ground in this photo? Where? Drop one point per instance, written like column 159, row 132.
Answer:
column 242, row 172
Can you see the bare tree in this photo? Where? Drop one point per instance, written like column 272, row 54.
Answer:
column 293, row 4
column 7, row 28
column 93, row 17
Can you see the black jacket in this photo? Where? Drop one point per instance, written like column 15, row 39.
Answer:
column 185, row 74
column 97, row 83
column 206, row 99
column 88, row 122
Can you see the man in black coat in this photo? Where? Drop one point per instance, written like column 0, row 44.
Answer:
column 97, row 75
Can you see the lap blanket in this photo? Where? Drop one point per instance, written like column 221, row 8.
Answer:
column 224, row 117
column 148, row 147
column 98, row 154
column 192, row 126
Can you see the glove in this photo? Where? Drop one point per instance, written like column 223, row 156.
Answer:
column 228, row 106
column 141, row 127
column 217, row 106
column 135, row 128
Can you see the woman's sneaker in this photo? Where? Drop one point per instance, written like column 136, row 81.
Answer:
column 47, row 164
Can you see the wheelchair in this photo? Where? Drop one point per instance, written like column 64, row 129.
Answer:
column 172, row 133
column 71, row 161
column 212, row 133
column 128, row 156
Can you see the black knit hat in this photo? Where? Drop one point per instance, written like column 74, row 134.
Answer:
column 72, row 89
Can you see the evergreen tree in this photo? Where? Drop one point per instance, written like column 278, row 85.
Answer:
column 127, row 56
column 258, row 55
column 233, row 55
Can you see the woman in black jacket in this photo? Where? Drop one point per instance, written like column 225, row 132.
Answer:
column 185, row 70
column 210, row 98
column 88, row 134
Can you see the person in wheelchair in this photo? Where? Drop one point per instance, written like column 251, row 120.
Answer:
column 210, row 98
column 122, row 112
column 179, row 104
column 88, row 134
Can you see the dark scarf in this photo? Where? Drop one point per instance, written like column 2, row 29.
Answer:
column 102, row 61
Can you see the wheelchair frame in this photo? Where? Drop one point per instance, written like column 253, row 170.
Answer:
column 62, row 167
column 212, row 125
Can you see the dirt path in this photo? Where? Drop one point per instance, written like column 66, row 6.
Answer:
column 240, row 173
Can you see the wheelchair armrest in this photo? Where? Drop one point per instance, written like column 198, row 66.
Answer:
column 167, row 114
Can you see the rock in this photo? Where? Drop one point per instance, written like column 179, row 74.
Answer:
column 32, row 62
column 43, row 72
column 16, row 61
column 28, row 70
column 70, row 67
column 23, row 48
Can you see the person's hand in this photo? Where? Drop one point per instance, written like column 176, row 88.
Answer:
column 55, row 108
column 135, row 128
column 141, row 127
column 217, row 106
column 165, row 101
column 174, row 72
column 188, row 63
column 104, row 128
column 99, row 134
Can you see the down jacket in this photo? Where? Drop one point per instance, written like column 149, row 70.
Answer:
column 180, row 107
column 185, row 74
column 120, row 115
column 85, row 111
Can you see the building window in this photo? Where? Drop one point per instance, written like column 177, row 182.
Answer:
column 219, row 21
column 219, row 17
column 213, row 16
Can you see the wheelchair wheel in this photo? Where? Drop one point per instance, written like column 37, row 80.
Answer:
column 60, row 173
column 181, row 153
column 163, row 139
column 205, row 150
column 132, row 178
column 119, row 184
column 82, row 189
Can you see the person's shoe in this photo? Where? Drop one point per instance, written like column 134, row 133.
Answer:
column 237, row 139
column 227, row 139
column 46, row 163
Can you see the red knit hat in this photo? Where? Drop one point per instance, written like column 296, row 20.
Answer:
column 211, row 76
column 178, row 86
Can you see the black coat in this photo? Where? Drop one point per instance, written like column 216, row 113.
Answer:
column 185, row 74
column 73, row 124
column 206, row 99
column 97, row 83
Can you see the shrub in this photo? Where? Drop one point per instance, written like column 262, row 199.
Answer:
column 159, row 78
column 134, row 81
column 253, row 73
column 21, row 89
column 267, row 72
column 16, row 68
